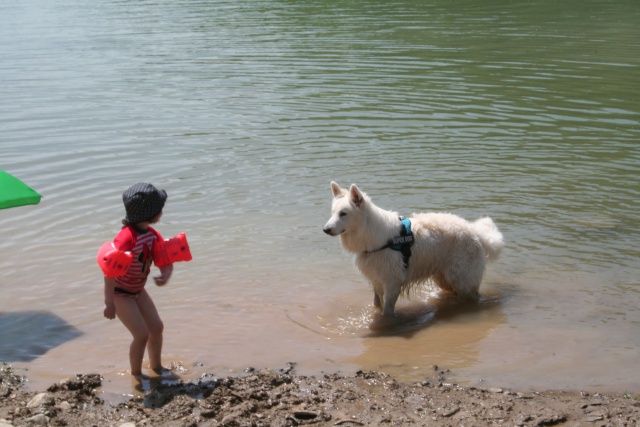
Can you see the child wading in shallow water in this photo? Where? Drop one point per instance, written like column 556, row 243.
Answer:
column 125, row 296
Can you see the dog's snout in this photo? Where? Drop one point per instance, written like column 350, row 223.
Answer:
column 327, row 230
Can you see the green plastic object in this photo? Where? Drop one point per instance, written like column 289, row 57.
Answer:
column 14, row 192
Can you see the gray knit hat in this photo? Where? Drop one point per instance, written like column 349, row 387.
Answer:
column 143, row 202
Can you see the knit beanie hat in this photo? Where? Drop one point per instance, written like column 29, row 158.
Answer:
column 143, row 202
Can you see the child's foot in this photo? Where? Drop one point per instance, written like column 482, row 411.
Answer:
column 139, row 377
column 165, row 373
column 140, row 382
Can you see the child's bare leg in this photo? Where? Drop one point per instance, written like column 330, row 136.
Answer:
column 155, row 328
column 130, row 315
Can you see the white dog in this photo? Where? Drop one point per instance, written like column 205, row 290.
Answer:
column 441, row 247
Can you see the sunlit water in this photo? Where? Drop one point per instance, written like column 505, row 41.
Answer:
column 245, row 111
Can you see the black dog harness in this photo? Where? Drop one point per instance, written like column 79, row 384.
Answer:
column 401, row 243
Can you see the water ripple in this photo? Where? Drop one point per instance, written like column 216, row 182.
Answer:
column 244, row 112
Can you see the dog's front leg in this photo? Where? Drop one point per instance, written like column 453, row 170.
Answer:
column 378, row 293
column 391, row 294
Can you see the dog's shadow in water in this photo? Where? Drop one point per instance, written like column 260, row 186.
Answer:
column 415, row 316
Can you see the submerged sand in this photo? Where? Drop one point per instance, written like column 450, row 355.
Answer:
column 283, row 398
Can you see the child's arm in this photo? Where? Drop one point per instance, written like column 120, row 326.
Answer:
column 165, row 274
column 109, row 306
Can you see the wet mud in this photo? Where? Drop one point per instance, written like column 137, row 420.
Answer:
column 280, row 397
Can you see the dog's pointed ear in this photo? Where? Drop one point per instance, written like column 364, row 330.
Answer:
column 336, row 190
column 356, row 195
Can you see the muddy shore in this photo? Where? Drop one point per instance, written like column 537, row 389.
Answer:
column 282, row 398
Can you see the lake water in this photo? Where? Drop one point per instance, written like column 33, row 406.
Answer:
column 528, row 112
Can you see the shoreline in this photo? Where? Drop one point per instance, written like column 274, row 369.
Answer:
column 281, row 397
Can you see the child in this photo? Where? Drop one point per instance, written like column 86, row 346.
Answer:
column 125, row 296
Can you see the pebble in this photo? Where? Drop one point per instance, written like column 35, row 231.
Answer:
column 305, row 415
column 524, row 396
column 127, row 425
column 40, row 399
column 5, row 423
column 451, row 412
column 40, row 420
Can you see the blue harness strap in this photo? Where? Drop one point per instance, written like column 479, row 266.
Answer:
column 405, row 238
column 402, row 243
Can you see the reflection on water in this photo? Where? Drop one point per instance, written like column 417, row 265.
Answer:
column 405, row 323
column 424, row 333
column 245, row 111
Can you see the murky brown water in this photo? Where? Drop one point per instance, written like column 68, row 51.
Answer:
column 527, row 113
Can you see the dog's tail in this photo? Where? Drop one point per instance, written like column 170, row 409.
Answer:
column 490, row 237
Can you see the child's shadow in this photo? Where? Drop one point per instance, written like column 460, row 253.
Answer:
column 143, row 384
column 158, row 391
column 418, row 315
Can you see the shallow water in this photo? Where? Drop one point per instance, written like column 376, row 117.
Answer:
column 243, row 112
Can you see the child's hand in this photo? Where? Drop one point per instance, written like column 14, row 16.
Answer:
column 165, row 274
column 110, row 311
column 161, row 280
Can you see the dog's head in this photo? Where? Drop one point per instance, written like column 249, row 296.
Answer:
column 346, row 209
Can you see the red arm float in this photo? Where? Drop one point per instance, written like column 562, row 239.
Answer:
column 114, row 263
column 172, row 250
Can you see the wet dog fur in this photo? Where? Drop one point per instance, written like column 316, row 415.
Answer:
column 447, row 250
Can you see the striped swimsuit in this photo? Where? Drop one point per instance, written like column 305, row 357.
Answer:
column 140, row 243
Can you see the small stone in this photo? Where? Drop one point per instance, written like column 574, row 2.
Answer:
column 41, row 399
column 4, row 390
column 552, row 420
column 305, row 415
column 39, row 420
column 451, row 412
